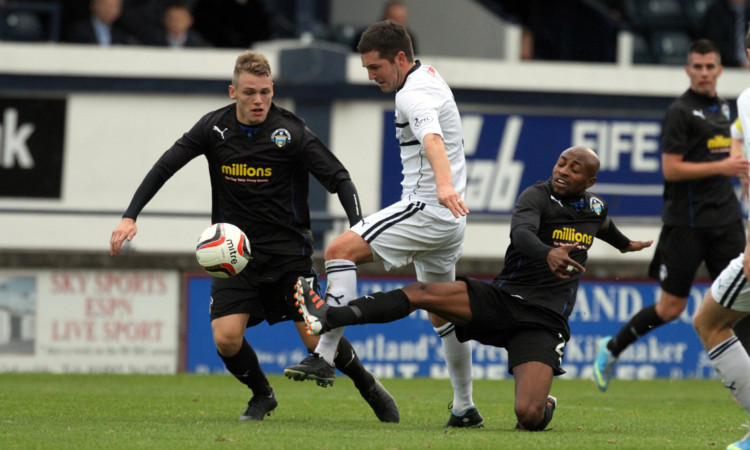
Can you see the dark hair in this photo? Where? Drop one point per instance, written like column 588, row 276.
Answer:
column 387, row 38
column 703, row 47
column 747, row 37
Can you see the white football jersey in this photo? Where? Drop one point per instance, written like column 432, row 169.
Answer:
column 425, row 105
column 743, row 115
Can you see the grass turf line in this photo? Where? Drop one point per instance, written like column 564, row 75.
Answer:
column 200, row 411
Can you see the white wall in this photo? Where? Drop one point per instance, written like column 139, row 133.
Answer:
column 482, row 33
column 111, row 139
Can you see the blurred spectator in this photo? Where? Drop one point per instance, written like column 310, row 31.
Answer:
column 142, row 18
column 101, row 27
column 177, row 29
column 725, row 23
column 396, row 11
column 232, row 23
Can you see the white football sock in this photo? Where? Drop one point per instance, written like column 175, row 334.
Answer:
column 340, row 290
column 732, row 363
column 458, row 361
column 457, row 354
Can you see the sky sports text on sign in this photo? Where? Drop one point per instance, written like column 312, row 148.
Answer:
column 507, row 153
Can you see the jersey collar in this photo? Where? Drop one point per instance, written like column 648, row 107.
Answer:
column 416, row 66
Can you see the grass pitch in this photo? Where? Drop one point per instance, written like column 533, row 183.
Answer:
column 200, row 411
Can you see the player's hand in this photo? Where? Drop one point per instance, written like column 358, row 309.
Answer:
column 448, row 197
column 636, row 246
column 561, row 264
column 125, row 230
column 746, row 262
column 735, row 166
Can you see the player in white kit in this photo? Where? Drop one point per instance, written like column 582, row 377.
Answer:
column 728, row 301
column 426, row 227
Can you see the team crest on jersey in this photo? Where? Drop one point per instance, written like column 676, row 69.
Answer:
column 596, row 205
column 281, row 137
column 725, row 110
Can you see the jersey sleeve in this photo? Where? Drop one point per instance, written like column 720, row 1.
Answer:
column 674, row 132
column 524, row 225
column 321, row 162
column 736, row 129
column 183, row 151
column 422, row 111
column 192, row 144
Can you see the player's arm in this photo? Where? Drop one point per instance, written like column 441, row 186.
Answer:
column 674, row 145
column 331, row 173
column 610, row 234
column 438, row 159
column 349, row 199
column 524, row 229
column 127, row 229
column 675, row 168
column 184, row 150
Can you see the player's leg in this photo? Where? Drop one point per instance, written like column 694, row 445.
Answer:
column 535, row 355
column 676, row 260
column 449, row 300
column 724, row 244
column 342, row 257
column 533, row 404
column 457, row 359
column 346, row 360
column 713, row 323
column 242, row 362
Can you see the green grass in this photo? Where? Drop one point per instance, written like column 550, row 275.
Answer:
column 195, row 411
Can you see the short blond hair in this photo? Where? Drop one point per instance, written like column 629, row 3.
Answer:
column 253, row 63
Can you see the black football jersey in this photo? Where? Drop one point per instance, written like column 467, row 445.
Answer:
column 259, row 176
column 697, row 127
column 556, row 222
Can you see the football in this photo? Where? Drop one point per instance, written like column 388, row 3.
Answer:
column 223, row 250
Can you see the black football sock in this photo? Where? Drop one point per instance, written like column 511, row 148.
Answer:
column 348, row 362
column 245, row 367
column 379, row 307
column 640, row 324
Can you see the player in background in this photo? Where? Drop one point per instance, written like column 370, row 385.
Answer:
column 728, row 300
column 259, row 159
column 525, row 309
column 701, row 214
column 426, row 227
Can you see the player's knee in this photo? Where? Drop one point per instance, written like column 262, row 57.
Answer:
column 415, row 291
column 669, row 311
column 334, row 251
column 529, row 415
column 699, row 324
column 227, row 344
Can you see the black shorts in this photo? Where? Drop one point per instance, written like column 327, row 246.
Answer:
column 527, row 332
column 265, row 293
column 681, row 250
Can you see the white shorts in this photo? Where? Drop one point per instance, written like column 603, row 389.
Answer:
column 731, row 289
column 406, row 232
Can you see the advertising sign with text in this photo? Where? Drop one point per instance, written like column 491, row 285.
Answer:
column 89, row 321
column 507, row 153
column 31, row 147
column 410, row 347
